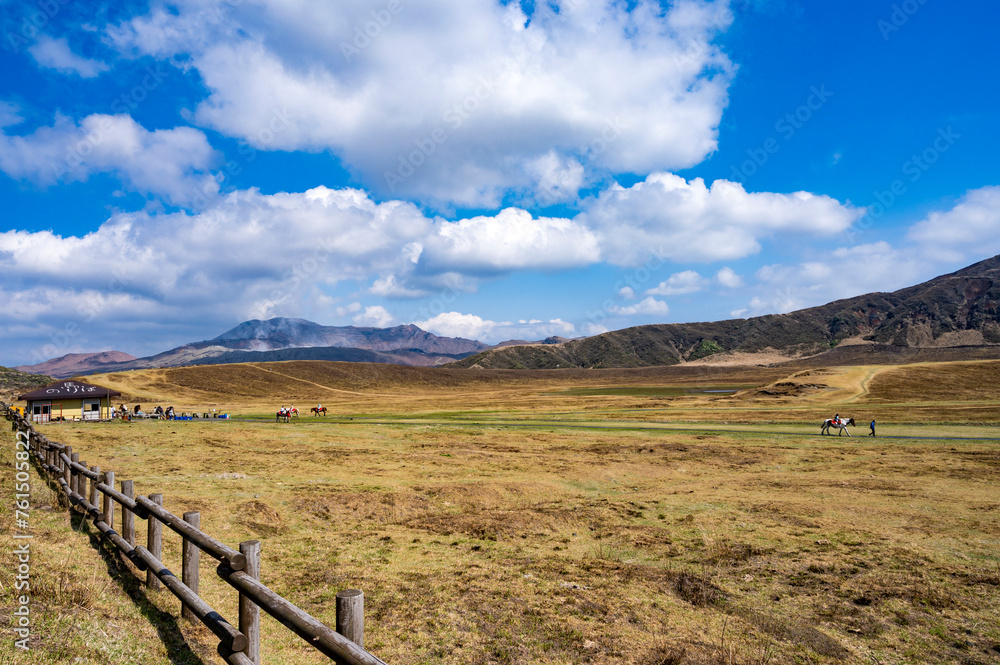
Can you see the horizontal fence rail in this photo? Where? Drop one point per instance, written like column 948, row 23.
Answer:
column 64, row 470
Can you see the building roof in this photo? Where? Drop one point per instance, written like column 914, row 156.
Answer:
column 68, row 390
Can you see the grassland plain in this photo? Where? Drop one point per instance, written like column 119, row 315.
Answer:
column 556, row 517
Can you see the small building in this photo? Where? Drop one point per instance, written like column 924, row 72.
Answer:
column 69, row 400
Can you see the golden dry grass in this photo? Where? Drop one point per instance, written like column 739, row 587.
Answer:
column 544, row 519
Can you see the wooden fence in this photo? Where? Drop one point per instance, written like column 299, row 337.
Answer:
column 238, row 645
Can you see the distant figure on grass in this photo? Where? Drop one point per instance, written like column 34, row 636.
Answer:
column 872, row 428
column 292, row 411
column 283, row 414
column 319, row 410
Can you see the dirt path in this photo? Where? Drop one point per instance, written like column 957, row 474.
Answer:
column 865, row 380
column 312, row 383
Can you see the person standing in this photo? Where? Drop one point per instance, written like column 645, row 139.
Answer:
column 872, row 428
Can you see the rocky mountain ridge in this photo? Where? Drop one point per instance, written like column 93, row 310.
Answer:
column 961, row 309
column 285, row 339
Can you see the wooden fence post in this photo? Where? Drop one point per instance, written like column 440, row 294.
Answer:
column 74, row 477
column 65, row 467
column 128, row 517
column 351, row 615
column 154, row 542
column 189, row 564
column 95, row 494
column 109, row 503
column 80, row 480
column 249, row 612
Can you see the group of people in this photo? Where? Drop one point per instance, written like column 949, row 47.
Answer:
column 127, row 414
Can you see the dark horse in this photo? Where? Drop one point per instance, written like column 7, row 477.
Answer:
column 318, row 411
column 283, row 415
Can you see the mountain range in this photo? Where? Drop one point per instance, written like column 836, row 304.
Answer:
column 958, row 311
column 955, row 310
column 281, row 339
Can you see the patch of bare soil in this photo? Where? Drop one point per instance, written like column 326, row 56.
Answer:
column 491, row 524
column 376, row 507
column 261, row 518
column 783, row 389
column 765, row 358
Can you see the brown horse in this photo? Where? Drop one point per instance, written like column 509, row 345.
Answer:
column 319, row 411
column 282, row 415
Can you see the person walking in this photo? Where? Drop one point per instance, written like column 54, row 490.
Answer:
column 872, row 428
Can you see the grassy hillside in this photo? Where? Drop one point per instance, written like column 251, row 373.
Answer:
column 14, row 383
column 353, row 387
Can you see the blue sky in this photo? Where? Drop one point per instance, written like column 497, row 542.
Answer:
column 484, row 169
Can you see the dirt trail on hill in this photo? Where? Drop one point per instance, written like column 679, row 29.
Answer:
column 312, row 383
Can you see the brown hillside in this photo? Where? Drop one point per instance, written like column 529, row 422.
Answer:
column 944, row 382
column 77, row 363
column 959, row 309
column 14, row 383
column 255, row 385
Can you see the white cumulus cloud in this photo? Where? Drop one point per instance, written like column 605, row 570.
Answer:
column 728, row 278
column 679, row 283
column 457, row 101
column 456, row 324
column 471, row 326
column 172, row 163
column 970, row 228
column 646, row 307
column 510, row 240
column 56, row 54
column 375, row 316
column 669, row 217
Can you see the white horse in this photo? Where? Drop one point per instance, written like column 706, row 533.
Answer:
column 841, row 426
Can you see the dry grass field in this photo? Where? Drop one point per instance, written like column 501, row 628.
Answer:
column 553, row 517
